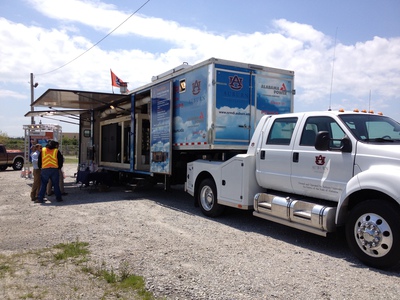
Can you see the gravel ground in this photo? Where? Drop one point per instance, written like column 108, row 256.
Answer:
column 180, row 253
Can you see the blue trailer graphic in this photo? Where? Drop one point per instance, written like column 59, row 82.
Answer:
column 160, row 135
column 222, row 104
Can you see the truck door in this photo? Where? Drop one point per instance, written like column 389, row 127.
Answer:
column 3, row 155
column 274, row 162
column 320, row 174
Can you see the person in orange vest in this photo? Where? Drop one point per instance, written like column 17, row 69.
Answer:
column 50, row 162
column 49, row 190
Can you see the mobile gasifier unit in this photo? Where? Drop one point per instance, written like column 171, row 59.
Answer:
column 208, row 110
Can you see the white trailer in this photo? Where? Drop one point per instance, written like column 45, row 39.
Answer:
column 209, row 110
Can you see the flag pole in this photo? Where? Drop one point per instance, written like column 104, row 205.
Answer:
column 112, row 86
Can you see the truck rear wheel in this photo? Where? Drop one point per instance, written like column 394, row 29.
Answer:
column 372, row 233
column 207, row 197
column 18, row 164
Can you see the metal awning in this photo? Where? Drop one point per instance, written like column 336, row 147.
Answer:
column 54, row 112
column 71, row 103
column 77, row 100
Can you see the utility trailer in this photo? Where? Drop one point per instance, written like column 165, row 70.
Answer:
column 208, row 110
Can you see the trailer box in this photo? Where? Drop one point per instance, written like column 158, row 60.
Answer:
column 206, row 110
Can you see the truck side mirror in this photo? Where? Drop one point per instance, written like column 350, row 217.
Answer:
column 322, row 141
column 346, row 145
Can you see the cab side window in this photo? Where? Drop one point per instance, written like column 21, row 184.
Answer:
column 281, row 131
column 316, row 124
column 309, row 134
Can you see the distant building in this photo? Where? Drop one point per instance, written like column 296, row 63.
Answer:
column 70, row 135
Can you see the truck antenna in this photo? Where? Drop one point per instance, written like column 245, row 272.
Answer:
column 369, row 101
column 333, row 68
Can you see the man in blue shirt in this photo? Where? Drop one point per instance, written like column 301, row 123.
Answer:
column 36, row 171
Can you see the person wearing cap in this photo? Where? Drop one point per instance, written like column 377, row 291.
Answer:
column 36, row 171
column 50, row 161
column 49, row 190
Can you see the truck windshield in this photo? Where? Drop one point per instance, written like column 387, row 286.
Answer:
column 372, row 128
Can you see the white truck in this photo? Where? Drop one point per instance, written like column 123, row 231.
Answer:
column 315, row 171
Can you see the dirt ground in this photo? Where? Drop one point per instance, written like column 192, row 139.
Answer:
column 180, row 253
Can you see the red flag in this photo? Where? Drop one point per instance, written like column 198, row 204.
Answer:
column 115, row 81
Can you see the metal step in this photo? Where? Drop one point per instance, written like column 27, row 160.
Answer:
column 303, row 214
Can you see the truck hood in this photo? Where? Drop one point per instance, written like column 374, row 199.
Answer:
column 377, row 154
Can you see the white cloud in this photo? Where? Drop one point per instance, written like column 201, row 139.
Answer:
column 372, row 65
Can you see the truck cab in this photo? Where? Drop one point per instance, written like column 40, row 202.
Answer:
column 288, row 161
column 322, row 155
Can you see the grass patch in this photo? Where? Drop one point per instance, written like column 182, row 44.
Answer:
column 28, row 296
column 124, row 280
column 71, row 250
column 6, row 265
column 4, row 268
column 73, row 258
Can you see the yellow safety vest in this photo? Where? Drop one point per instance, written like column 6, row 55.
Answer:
column 49, row 158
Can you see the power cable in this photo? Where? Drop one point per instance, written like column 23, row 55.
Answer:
column 108, row 34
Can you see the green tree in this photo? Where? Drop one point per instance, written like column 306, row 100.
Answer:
column 15, row 143
column 69, row 141
column 3, row 138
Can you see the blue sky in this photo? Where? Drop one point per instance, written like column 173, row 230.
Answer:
column 39, row 36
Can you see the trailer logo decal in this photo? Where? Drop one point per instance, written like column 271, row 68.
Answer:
column 320, row 160
column 277, row 90
column 196, row 87
column 235, row 82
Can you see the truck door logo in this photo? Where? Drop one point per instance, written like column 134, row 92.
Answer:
column 196, row 87
column 320, row 160
column 235, row 83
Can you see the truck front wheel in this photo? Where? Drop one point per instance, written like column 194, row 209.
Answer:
column 372, row 233
column 18, row 164
column 207, row 197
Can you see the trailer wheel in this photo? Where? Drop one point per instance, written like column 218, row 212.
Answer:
column 372, row 233
column 3, row 168
column 18, row 164
column 207, row 197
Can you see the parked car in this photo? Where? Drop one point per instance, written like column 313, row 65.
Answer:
column 11, row 158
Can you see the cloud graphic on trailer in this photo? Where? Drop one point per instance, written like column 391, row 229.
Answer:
column 226, row 115
column 234, row 120
column 231, row 119
column 230, row 122
column 184, row 131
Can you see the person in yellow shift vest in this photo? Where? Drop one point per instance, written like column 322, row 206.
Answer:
column 50, row 161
